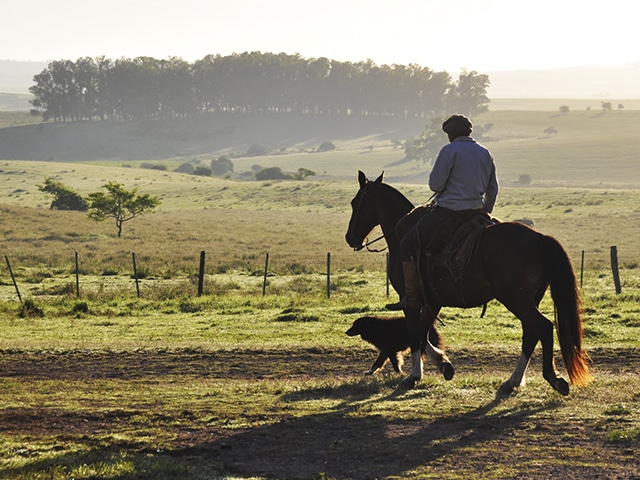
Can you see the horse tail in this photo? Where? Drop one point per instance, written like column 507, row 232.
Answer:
column 569, row 311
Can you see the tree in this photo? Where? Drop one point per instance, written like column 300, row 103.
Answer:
column 469, row 95
column 564, row 109
column 120, row 204
column 221, row 166
column 304, row 173
column 202, row 171
column 550, row 131
column 64, row 198
column 272, row 173
column 326, row 147
column 425, row 148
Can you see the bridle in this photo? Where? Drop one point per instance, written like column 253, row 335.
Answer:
column 356, row 215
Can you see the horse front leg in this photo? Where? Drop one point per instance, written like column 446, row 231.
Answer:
column 421, row 331
column 415, row 330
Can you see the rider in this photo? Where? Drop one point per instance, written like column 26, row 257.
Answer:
column 464, row 180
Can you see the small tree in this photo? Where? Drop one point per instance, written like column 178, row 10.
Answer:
column 564, row 109
column 425, row 148
column 202, row 171
column 550, row 131
column 221, row 166
column 304, row 173
column 272, row 173
column 524, row 179
column 326, row 147
column 64, row 198
column 119, row 204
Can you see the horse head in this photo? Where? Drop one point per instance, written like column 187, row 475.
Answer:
column 363, row 213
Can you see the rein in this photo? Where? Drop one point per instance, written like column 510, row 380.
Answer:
column 373, row 250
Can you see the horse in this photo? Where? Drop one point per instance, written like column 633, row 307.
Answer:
column 513, row 264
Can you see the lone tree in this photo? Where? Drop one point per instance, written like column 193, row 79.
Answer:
column 425, row 148
column 119, row 204
column 64, row 198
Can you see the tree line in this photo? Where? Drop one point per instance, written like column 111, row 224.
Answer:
column 249, row 83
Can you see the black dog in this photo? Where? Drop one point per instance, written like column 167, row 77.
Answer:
column 388, row 334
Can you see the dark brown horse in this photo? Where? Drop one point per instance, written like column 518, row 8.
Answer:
column 513, row 264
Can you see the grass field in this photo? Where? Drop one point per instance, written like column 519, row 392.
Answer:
column 237, row 384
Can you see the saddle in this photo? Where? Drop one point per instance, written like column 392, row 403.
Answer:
column 454, row 242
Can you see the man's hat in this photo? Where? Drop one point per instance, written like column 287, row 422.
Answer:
column 457, row 126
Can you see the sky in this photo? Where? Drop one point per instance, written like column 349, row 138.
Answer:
column 480, row 35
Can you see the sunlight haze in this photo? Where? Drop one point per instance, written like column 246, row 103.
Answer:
column 484, row 36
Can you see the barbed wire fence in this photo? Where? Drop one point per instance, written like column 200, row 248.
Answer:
column 206, row 267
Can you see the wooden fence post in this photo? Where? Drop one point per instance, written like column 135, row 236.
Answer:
column 328, row 274
column 135, row 273
column 201, row 274
column 77, row 276
column 614, row 268
column 264, row 278
column 387, row 272
column 582, row 269
column 15, row 284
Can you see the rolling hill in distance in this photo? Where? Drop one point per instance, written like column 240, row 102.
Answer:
column 592, row 147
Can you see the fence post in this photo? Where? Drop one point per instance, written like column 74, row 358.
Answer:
column 582, row 269
column 201, row 274
column 15, row 284
column 387, row 272
column 328, row 274
column 264, row 278
column 614, row 268
column 135, row 273
column 77, row 277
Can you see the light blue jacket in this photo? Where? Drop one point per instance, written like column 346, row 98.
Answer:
column 464, row 176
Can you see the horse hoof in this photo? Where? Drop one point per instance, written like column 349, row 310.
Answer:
column 447, row 370
column 408, row 382
column 561, row 386
column 506, row 389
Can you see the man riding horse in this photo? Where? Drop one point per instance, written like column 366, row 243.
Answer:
column 465, row 183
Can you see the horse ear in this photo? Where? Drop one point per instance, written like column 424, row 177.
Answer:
column 362, row 178
column 379, row 179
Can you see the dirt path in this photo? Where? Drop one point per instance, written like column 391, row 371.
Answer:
column 337, row 443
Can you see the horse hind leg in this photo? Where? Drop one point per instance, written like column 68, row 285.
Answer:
column 536, row 326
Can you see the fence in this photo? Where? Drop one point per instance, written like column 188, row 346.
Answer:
column 202, row 266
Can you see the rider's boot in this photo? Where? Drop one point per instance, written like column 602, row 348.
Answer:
column 412, row 297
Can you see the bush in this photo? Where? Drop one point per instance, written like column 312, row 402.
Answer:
column 524, row 179
column 257, row 150
column 186, row 167
column 221, row 166
column 326, row 147
column 272, row 173
column 202, row 171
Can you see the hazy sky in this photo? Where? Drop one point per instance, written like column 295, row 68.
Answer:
column 482, row 35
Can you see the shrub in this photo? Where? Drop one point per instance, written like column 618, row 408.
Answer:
column 221, row 166
column 257, row 150
column 186, row 167
column 28, row 309
column 326, row 147
column 272, row 173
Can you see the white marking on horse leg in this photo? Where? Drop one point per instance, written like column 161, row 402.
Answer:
column 517, row 378
column 416, row 365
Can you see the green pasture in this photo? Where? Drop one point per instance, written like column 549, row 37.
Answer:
column 238, row 383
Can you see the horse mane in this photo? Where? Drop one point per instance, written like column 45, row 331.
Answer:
column 399, row 201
